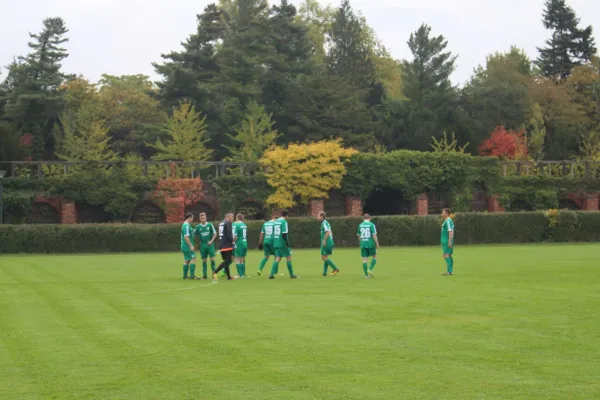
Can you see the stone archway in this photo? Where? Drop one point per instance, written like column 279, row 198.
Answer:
column 252, row 210
column 568, row 204
column 43, row 213
column 148, row 213
column 89, row 214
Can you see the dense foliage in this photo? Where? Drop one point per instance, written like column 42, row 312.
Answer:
column 253, row 73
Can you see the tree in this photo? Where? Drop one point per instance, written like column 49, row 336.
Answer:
column 498, row 94
column 255, row 135
column 431, row 98
column 569, row 46
column 584, row 85
column 305, row 171
column 447, row 146
column 85, row 138
column 536, row 137
column 317, row 19
column 505, row 144
column 34, row 101
column 187, row 136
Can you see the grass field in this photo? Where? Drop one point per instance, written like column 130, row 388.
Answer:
column 515, row 322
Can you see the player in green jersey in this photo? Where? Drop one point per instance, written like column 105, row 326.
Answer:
column 282, row 245
column 326, row 245
column 369, row 243
column 240, row 240
column 265, row 242
column 187, row 248
column 447, row 241
column 206, row 234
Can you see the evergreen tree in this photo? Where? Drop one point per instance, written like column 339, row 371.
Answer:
column 34, row 101
column 569, row 46
column 430, row 108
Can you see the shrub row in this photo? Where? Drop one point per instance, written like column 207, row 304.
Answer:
column 471, row 228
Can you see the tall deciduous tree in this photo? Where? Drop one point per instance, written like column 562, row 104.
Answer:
column 34, row 101
column 569, row 45
column 431, row 102
column 85, row 138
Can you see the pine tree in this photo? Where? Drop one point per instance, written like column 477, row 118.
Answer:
column 431, row 98
column 34, row 103
column 569, row 46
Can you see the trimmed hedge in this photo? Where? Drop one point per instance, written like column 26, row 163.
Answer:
column 471, row 228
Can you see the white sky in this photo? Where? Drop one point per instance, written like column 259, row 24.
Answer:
column 125, row 36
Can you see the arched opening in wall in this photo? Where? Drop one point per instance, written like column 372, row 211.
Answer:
column 567, row 204
column 480, row 200
column 335, row 205
column 88, row 214
column 437, row 202
column 520, row 205
column 200, row 207
column 148, row 213
column 43, row 213
column 252, row 210
column 388, row 202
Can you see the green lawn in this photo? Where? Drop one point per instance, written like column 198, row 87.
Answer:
column 515, row 322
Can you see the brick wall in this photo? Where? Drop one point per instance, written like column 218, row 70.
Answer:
column 354, row 206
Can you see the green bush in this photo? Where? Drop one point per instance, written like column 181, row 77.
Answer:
column 471, row 228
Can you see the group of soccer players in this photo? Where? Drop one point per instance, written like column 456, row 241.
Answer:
column 274, row 241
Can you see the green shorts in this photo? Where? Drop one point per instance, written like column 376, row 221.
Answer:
column 326, row 250
column 447, row 249
column 207, row 251
column 268, row 249
column 368, row 252
column 188, row 255
column 283, row 252
column 240, row 251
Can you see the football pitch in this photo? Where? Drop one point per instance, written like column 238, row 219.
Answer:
column 515, row 322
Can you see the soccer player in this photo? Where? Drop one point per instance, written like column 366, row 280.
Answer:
column 369, row 243
column 187, row 248
column 326, row 245
column 447, row 241
column 282, row 245
column 226, row 246
column 206, row 234
column 265, row 243
column 240, row 242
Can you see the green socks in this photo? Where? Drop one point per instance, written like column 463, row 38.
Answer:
column 243, row 268
column 204, row 268
column 290, row 269
column 331, row 264
column 365, row 269
column 192, row 270
column 449, row 264
column 373, row 263
column 275, row 268
column 213, row 265
column 186, row 267
column 325, row 265
column 263, row 263
column 238, row 267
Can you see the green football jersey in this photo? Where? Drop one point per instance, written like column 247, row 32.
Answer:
column 268, row 231
column 325, row 227
column 447, row 227
column 240, row 231
column 186, row 230
column 280, row 227
column 205, row 232
column 366, row 230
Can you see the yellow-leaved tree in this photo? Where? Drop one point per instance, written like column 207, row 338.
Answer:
column 304, row 171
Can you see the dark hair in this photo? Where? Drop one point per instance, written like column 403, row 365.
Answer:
column 189, row 215
column 447, row 211
column 239, row 217
column 366, row 216
column 201, row 214
column 322, row 214
column 284, row 213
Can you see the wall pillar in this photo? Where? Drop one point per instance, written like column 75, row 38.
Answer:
column 422, row 204
column 494, row 204
column 354, row 207
column 590, row 202
column 315, row 207
column 68, row 212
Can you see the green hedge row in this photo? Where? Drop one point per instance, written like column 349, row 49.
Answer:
column 471, row 228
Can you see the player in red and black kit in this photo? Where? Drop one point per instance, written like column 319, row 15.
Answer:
column 226, row 246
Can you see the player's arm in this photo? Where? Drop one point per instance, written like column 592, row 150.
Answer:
column 214, row 236
column 327, row 234
column 261, row 238
column 229, row 231
column 375, row 238
column 235, row 235
column 285, row 236
column 450, row 234
column 186, row 237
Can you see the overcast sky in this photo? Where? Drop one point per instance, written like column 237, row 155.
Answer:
column 125, row 36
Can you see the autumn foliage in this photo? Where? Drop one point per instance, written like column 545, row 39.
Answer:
column 304, row 171
column 505, row 144
column 175, row 193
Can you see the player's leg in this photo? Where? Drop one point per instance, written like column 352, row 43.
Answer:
column 227, row 258
column 373, row 262
column 290, row 267
column 364, row 253
column 193, row 265
column 325, row 263
column 186, row 261
column 448, row 259
column 275, row 266
column 336, row 270
column 244, row 266
column 204, row 266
